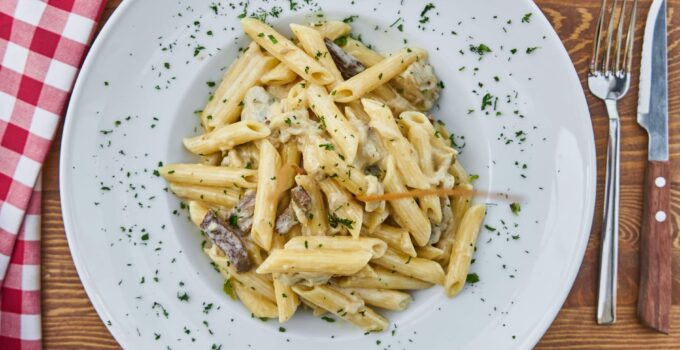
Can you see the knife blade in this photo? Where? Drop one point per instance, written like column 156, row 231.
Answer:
column 653, row 92
column 654, row 301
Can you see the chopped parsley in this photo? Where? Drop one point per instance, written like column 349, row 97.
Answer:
column 515, row 208
column 334, row 220
column 327, row 146
column 210, row 83
column 328, row 319
column 341, row 41
column 183, row 297
column 530, row 50
column 272, row 39
column 480, row 49
column 233, row 220
column 472, row 278
column 487, row 101
column 527, row 18
column 350, row 19
column 426, row 9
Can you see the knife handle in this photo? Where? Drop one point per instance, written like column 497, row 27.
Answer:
column 654, row 299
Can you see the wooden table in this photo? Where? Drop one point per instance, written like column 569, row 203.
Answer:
column 70, row 322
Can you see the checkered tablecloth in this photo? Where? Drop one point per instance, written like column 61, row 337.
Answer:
column 42, row 44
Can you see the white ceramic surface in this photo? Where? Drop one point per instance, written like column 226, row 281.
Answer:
column 136, row 252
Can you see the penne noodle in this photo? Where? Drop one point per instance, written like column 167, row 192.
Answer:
column 343, row 211
column 406, row 211
column 226, row 137
column 385, row 280
column 227, row 85
column 396, row 144
column 222, row 196
column 383, row 298
column 362, row 53
column 279, row 75
column 287, row 301
column 266, row 199
column 396, row 238
column 228, row 106
column 463, row 248
column 422, row 269
column 312, row 42
column 333, row 121
column 290, row 159
column 343, row 306
column 429, row 252
column 373, row 219
column 374, row 246
column 320, row 260
column 285, row 51
column 316, row 221
column 197, row 212
column 376, row 75
column 208, row 175
column 254, row 282
column 258, row 305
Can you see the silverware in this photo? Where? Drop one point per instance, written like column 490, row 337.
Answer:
column 654, row 301
column 609, row 80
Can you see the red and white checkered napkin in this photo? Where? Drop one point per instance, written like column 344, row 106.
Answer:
column 42, row 44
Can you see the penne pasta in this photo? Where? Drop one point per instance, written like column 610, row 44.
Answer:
column 266, row 199
column 319, row 260
column 226, row 137
column 396, row 144
column 343, row 211
column 343, row 306
column 285, row 51
column 361, row 52
column 258, row 305
column 422, row 269
column 333, row 122
column 340, row 201
column 226, row 88
column 208, row 175
column 396, row 238
column 374, row 246
column 312, row 42
column 376, row 75
column 197, row 212
column 463, row 248
column 222, row 196
column 383, row 298
column 429, row 252
column 228, row 105
column 385, row 280
column 316, row 221
column 406, row 211
column 279, row 75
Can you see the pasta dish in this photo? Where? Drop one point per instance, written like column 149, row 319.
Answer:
column 305, row 142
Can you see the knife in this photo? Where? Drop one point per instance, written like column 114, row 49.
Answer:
column 654, row 299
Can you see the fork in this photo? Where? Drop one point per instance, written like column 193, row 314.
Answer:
column 609, row 79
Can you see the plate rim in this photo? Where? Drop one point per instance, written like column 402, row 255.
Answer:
column 529, row 341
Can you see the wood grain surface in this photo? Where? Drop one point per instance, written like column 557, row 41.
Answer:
column 70, row 322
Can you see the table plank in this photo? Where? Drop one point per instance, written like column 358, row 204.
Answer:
column 70, row 322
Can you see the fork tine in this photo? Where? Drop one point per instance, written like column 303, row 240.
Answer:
column 606, row 68
column 619, row 37
column 594, row 60
column 630, row 39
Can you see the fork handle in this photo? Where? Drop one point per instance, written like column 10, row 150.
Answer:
column 606, row 303
column 654, row 300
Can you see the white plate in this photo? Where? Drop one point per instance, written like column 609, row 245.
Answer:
column 131, row 280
